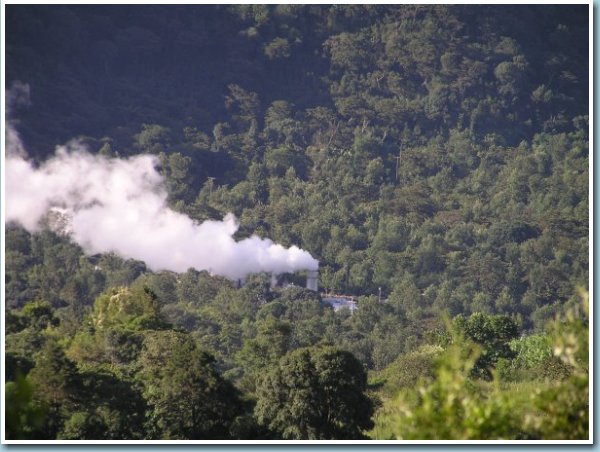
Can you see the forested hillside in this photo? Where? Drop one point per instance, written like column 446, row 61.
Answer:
column 433, row 159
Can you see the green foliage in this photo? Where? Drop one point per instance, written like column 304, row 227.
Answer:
column 38, row 315
column 451, row 406
column 406, row 371
column 153, row 139
column 565, row 405
column 315, row 394
column 454, row 406
column 277, row 48
column 565, row 410
column 134, row 308
column 493, row 333
column 114, row 407
column 271, row 342
column 16, row 366
column 435, row 153
column 83, row 425
column 14, row 322
column 534, row 359
column 531, row 350
column 23, row 416
column 187, row 397
column 54, row 381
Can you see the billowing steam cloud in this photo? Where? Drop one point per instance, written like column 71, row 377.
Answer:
column 120, row 205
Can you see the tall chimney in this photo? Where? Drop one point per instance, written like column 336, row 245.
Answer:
column 312, row 280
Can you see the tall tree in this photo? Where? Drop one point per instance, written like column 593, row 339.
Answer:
column 315, row 394
column 187, row 396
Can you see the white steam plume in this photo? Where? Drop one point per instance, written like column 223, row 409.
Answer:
column 120, row 205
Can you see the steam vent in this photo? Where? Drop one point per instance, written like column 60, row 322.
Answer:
column 312, row 280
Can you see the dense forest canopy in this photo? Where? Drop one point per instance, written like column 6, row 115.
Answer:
column 432, row 158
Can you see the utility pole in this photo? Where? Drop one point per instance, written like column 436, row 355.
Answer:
column 397, row 164
column 380, row 295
